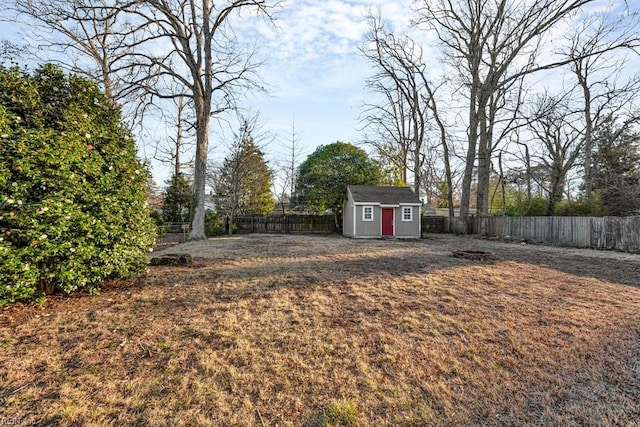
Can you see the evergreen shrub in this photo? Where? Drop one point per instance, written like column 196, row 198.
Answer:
column 73, row 209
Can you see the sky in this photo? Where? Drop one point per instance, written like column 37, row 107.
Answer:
column 314, row 70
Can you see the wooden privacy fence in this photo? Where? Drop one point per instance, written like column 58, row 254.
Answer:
column 286, row 224
column 433, row 224
column 618, row 233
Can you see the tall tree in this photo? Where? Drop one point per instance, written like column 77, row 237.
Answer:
column 324, row 176
column 204, row 60
column 554, row 128
column 91, row 38
column 399, row 121
column 604, row 82
column 401, row 118
column 166, row 49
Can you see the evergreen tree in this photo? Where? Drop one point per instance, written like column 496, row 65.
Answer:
column 616, row 169
column 324, row 176
column 242, row 185
column 255, row 182
column 73, row 209
column 177, row 199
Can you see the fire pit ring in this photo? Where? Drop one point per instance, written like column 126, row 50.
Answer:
column 475, row 255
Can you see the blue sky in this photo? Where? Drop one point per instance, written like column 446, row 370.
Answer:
column 314, row 70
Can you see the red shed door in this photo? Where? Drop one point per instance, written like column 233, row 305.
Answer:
column 387, row 222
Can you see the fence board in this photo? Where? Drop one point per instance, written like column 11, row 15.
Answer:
column 618, row 233
column 433, row 224
column 286, row 224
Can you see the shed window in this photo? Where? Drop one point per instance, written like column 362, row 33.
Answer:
column 407, row 214
column 367, row 213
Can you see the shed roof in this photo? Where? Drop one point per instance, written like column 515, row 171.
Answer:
column 385, row 195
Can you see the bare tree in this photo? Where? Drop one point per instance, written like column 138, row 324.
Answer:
column 408, row 103
column 430, row 99
column 402, row 117
column 386, row 130
column 287, row 168
column 92, row 30
column 558, row 130
column 490, row 45
column 10, row 50
column 156, row 46
column 203, row 58
column 175, row 146
column 605, row 84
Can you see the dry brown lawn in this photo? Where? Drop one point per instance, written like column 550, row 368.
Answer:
column 315, row 330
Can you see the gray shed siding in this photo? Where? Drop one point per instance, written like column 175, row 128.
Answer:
column 407, row 229
column 368, row 228
column 347, row 216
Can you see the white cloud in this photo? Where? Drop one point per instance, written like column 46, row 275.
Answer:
column 314, row 66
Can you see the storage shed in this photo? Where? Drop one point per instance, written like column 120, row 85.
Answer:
column 377, row 211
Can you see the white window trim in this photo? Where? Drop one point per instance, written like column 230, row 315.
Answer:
column 410, row 214
column 364, row 215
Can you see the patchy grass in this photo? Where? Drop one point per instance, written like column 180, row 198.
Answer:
column 303, row 330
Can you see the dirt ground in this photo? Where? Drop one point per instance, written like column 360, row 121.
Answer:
column 291, row 330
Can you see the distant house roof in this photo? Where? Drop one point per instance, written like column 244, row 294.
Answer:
column 383, row 194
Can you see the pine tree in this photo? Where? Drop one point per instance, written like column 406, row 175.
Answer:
column 177, row 199
column 616, row 169
column 242, row 185
column 255, row 182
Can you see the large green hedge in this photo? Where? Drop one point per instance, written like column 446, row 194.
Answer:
column 72, row 192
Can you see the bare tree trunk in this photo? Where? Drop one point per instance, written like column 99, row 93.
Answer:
column 557, row 189
column 465, row 199
column 417, row 175
column 179, row 136
column 484, row 167
column 202, row 74
column 528, row 166
column 502, row 185
column 418, row 134
column 433, row 106
column 200, row 172
column 588, row 132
